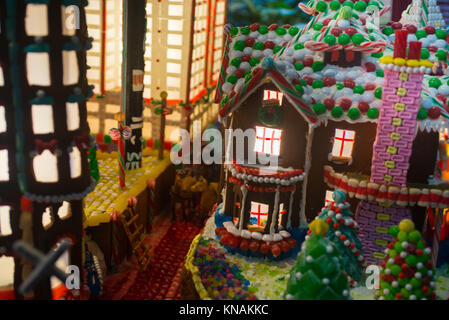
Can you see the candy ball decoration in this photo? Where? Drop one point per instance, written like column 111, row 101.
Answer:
column 343, row 233
column 318, row 272
column 407, row 272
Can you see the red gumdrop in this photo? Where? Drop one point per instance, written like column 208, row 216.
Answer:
column 244, row 244
column 269, row 45
column 329, row 103
column 273, row 27
column 308, row 61
column 349, row 83
column 345, row 103
column 434, row 113
column 432, row 49
column 234, row 242
column 399, row 260
column 219, row 231
column 442, row 98
column 429, row 29
column 329, row 82
column 370, row 86
column 245, row 58
column 276, row 250
column 363, row 107
column 254, row 245
column 250, row 42
column 285, row 247
column 264, row 248
column 239, row 73
column 296, row 81
column 254, row 27
column 336, row 32
column 426, row 280
column 308, row 79
column 326, row 21
column 397, row 25
column 286, row 26
column 370, row 67
column 351, row 31
column 226, row 238
column 411, row 29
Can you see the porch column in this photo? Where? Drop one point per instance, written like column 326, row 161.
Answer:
column 243, row 204
column 290, row 209
column 274, row 218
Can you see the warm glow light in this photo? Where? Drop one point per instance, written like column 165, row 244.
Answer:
column 65, row 211
column 329, row 197
column 2, row 78
column 6, row 272
column 258, row 215
column 5, row 221
column 36, row 18
column 47, row 218
column 3, row 126
column 175, row 10
column 38, row 68
column 73, row 116
column 42, row 116
column 4, row 167
column 343, row 144
column 70, row 67
column 45, row 167
column 268, row 141
column 75, row 163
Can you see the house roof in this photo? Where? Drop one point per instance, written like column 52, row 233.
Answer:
column 293, row 59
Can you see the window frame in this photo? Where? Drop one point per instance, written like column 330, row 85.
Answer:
column 342, row 159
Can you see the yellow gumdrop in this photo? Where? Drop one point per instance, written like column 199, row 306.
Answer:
column 386, row 60
column 319, row 227
column 399, row 61
column 413, row 63
column 406, row 225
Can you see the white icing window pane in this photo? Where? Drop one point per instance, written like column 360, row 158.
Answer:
column 173, row 67
column 173, row 82
column 329, row 197
column 70, row 67
column 2, row 78
column 75, row 163
column 73, row 116
column 3, row 126
column 174, row 25
column 45, row 167
column 38, row 69
column 175, row 10
column 343, row 144
column 4, row 165
column 36, row 20
column 65, row 211
column 173, row 95
column 258, row 216
column 268, row 141
column 70, row 20
column 47, row 218
column 174, row 39
column 5, row 221
column 273, row 95
column 42, row 116
column 6, row 272
column 174, row 54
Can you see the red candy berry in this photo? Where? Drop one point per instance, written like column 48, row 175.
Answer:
column 326, row 21
column 329, row 82
column 370, row 67
column 434, row 113
column 254, row 27
column 349, row 83
column 411, row 29
column 397, row 25
column 269, row 45
column 336, row 32
column 250, row 42
column 363, row 107
column 309, row 80
column 370, row 86
column 351, row 31
column 430, row 30
column 273, row 27
column 239, row 73
column 345, row 103
column 329, row 103
column 308, row 61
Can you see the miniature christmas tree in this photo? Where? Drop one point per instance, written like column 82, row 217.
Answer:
column 93, row 164
column 407, row 270
column 318, row 274
column 343, row 232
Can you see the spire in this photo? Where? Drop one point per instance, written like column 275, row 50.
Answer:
column 423, row 13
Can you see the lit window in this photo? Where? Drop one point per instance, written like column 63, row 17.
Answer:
column 7, row 274
column 173, row 67
column 175, row 25
column 42, row 116
column 174, row 54
column 329, row 197
column 75, row 163
column 70, row 67
column 38, row 68
column 2, row 78
column 343, row 145
column 47, row 218
column 36, row 20
column 173, row 82
column 258, row 216
column 45, row 167
column 2, row 119
column 4, row 167
column 175, row 10
column 70, row 16
column 273, row 95
column 5, row 221
column 268, row 141
column 64, row 211
column 282, row 212
column 174, row 39
column 73, row 116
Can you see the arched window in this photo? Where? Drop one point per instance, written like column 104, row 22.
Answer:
column 45, row 167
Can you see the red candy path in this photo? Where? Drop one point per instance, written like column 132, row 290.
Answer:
column 170, row 244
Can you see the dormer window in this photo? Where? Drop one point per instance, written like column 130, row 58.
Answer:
column 273, row 95
column 343, row 58
column 268, row 141
column 343, row 143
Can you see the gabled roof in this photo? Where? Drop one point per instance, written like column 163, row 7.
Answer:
column 424, row 13
column 296, row 66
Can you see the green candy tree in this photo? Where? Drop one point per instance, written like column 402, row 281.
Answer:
column 407, row 272
column 343, row 231
column 93, row 163
column 318, row 273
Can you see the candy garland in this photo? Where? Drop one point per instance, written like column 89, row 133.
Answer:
column 255, row 172
column 238, row 182
column 121, row 134
column 115, row 261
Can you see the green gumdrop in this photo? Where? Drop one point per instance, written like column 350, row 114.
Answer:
column 354, row 113
column 372, row 113
column 236, row 62
column 421, row 245
column 293, row 31
column 441, row 34
column 234, row 31
column 232, row 79
column 359, row 89
column 318, row 66
column 388, row 31
column 259, row 46
column 299, row 88
column 421, row 34
column 397, row 247
column 360, row 6
column 107, row 139
column 380, row 73
column 441, row 55
column 319, row 108
column 340, row 86
column 414, row 236
column 422, row 114
column 411, row 260
column 378, row 93
column 281, row 31
column 435, row 83
column 245, row 30
column 263, row 29
column 239, row 45
column 416, row 283
column 318, row 84
column 348, row 4
column 402, row 236
column 344, row 39
column 321, row 6
column 317, row 27
column 395, row 270
column 299, row 66
column 425, row 54
column 330, row 39
column 254, row 61
column 377, row 55
column 277, row 49
column 373, row 3
column 393, row 231
column 337, row 112
column 299, row 46
column 335, row 5
column 358, row 38
column 392, row 253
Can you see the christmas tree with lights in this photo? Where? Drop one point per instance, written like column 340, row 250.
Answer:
column 318, row 274
column 407, row 272
column 343, row 232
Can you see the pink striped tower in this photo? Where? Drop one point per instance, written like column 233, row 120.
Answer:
column 392, row 149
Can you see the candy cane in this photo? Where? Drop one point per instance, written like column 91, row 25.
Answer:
column 335, row 47
column 316, row 46
column 115, row 239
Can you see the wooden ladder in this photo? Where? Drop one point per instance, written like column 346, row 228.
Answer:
column 136, row 236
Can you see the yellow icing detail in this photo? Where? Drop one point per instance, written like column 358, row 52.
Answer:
column 426, row 63
column 194, row 271
column 392, row 150
column 403, row 76
column 319, row 227
column 390, row 164
column 399, row 61
column 406, row 225
column 399, row 107
column 413, row 63
column 381, row 242
column 388, row 178
column 386, row 60
column 395, row 136
column 402, row 92
column 381, row 230
column 107, row 195
column 379, row 255
column 397, row 122
column 383, row 217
